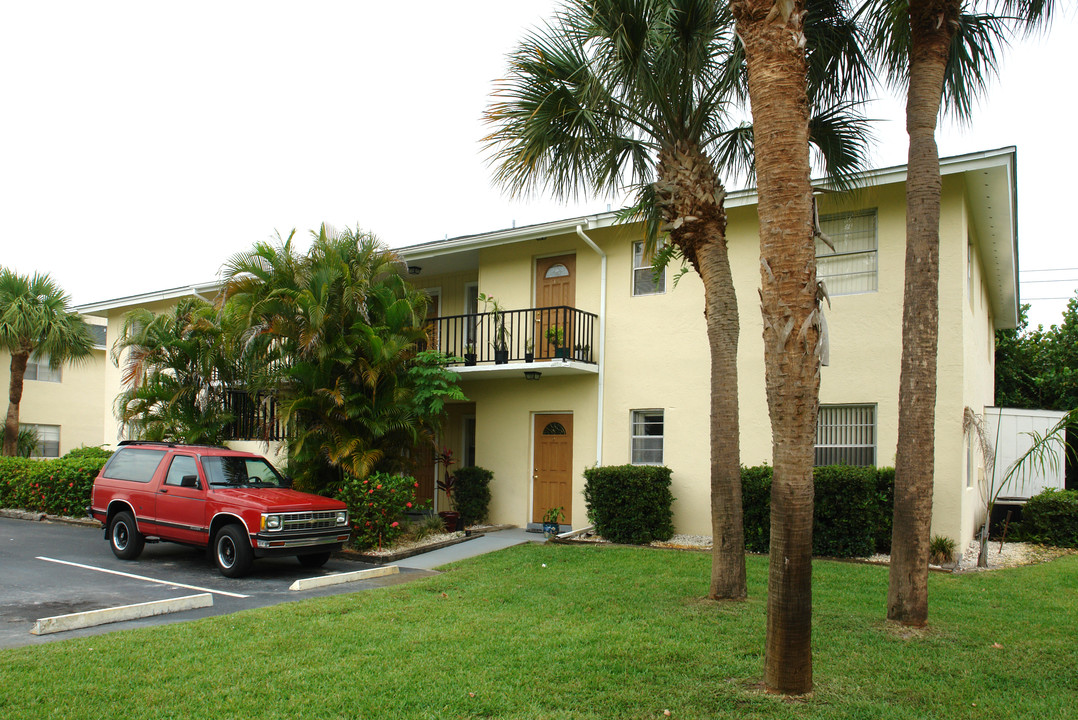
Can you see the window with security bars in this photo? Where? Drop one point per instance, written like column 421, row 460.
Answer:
column 846, row 435
column 647, row 437
column 644, row 282
column 851, row 267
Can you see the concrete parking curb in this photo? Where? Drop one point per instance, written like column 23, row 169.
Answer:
column 91, row 618
column 340, row 578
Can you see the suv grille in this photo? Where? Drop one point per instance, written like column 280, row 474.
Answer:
column 309, row 520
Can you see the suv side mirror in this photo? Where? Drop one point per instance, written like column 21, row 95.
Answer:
column 286, row 481
column 189, row 481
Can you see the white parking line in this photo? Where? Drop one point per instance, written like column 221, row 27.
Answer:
column 142, row 577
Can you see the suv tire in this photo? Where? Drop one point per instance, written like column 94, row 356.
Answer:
column 232, row 551
column 124, row 538
column 313, row 561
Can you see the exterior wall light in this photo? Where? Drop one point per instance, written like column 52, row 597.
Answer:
column 532, row 374
column 414, row 269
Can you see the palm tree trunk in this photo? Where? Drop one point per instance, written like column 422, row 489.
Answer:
column 691, row 199
column 775, row 59
column 11, row 422
column 931, row 26
column 727, row 523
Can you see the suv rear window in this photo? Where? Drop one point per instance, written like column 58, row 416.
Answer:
column 134, row 464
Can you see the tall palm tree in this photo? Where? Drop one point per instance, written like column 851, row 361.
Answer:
column 635, row 94
column 943, row 52
column 773, row 34
column 34, row 321
column 177, row 368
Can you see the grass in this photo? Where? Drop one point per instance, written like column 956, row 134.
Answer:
column 597, row 633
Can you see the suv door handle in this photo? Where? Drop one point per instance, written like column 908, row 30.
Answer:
column 163, row 490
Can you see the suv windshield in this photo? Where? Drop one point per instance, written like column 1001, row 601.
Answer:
column 241, row 471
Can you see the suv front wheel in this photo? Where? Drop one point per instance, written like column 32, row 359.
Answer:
column 232, row 551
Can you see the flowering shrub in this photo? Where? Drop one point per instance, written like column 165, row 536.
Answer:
column 377, row 505
column 57, row 487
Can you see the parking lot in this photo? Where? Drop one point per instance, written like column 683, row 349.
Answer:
column 52, row 568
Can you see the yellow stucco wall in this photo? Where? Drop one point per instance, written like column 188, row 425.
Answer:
column 74, row 403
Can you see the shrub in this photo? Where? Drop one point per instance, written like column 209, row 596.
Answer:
column 58, row 487
column 851, row 508
column 885, row 501
column 941, row 550
column 756, row 507
column 472, row 494
column 845, row 512
column 1051, row 518
column 630, row 503
column 92, row 451
column 377, row 505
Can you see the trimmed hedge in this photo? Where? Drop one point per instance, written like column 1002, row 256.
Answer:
column 1051, row 518
column 851, row 513
column 471, row 496
column 630, row 504
column 58, row 487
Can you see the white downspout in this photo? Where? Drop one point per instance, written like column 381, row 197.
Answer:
column 602, row 344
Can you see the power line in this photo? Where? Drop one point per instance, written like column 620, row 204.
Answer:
column 1030, row 282
column 1048, row 270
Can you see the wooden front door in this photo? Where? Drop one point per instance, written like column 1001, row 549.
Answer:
column 555, row 285
column 552, row 483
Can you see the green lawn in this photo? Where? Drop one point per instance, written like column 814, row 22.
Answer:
column 597, row 633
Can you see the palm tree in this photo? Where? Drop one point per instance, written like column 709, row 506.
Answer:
column 333, row 337
column 942, row 53
column 35, row 321
column 632, row 93
column 773, row 34
column 177, row 368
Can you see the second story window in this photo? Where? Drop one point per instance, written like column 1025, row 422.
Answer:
column 851, row 267
column 38, row 369
column 644, row 273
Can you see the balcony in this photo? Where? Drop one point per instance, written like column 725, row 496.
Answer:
column 555, row 340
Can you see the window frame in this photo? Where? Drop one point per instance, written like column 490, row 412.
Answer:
column 660, row 287
column 847, row 430
column 633, row 437
column 36, row 367
column 41, row 449
column 874, row 252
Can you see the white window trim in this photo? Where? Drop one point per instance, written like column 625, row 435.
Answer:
column 634, row 268
column 37, row 427
column 875, row 431
column 874, row 251
column 633, row 436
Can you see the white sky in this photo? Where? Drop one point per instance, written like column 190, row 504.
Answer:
column 143, row 143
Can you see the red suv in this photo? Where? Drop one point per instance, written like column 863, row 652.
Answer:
column 235, row 503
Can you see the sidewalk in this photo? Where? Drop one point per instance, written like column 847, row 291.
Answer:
column 487, row 543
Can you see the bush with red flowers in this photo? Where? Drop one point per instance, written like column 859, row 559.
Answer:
column 59, row 486
column 377, row 505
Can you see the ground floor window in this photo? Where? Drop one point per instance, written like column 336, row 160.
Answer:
column 48, row 439
column 846, row 435
column 647, row 437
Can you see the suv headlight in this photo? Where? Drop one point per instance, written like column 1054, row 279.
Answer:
column 342, row 517
column 272, row 523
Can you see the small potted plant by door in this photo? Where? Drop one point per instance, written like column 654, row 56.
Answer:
column 448, row 484
column 529, row 351
column 551, row 518
column 583, row 352
column 556, row 337
column 469, row 354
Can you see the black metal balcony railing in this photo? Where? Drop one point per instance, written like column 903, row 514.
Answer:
column 551, row 332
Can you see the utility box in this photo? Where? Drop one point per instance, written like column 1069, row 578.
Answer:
column 1009, row 430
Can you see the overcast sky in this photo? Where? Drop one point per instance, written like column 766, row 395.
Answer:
column 143, row 143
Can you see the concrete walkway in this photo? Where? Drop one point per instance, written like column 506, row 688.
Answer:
column 487, row 543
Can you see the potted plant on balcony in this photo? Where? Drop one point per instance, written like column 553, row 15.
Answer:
column 556, row 337
column 448, row 484
column 582, row 352
column 469, row 354
column 529, row 351
column 551, row 518
column 500, row 342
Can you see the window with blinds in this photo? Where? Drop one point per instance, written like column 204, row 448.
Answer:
column 647, row 437
column 37, row 368
column 846, row 435
column 851, row 267
column 48, row 439
column 644, row 281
